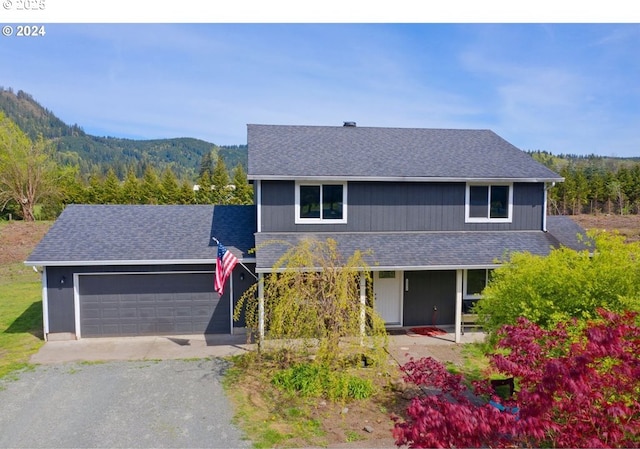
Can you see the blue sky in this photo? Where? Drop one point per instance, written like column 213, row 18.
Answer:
column 563, row 88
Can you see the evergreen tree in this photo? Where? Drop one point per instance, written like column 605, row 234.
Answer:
column 187, row 194
column 203, row 189
column 635, row 187
column 611, row 191
column 170, row 191
column 566, row 190
column 150, row 189
column 206, row 165
column 243, row 192
column 581, row 191
column 94, row 193
column 131, row 188
column 111, row 188
column 222, row 192
column 597, row 188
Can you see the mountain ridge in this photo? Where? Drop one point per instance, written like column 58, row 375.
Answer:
column 73, row 146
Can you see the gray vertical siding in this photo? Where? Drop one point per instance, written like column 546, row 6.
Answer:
column 385, row 206
column 278, row 199
column 60, row 300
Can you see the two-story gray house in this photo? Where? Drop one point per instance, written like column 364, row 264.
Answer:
column 439, row 208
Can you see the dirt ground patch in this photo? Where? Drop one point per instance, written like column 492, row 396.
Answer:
column 627, row 225
column 19, row 238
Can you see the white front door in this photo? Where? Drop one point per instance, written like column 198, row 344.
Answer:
column 387, row 288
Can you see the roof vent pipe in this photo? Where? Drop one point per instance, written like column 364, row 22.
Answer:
column 350, row 124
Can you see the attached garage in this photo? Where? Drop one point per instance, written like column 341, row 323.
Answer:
column 131, row 304
column 132, row 270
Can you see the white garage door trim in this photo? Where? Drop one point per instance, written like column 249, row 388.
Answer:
column 76, row 290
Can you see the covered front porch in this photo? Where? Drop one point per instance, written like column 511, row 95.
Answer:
column 434, row 298
column 424, row 278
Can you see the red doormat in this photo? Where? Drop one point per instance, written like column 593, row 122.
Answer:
column 426, row 330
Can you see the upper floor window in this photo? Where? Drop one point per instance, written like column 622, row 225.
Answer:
column 321, row 203
column 489, row 203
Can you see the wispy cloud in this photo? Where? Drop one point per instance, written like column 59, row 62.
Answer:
column 564, row 88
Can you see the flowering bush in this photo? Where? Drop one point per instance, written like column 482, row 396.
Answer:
column 578, row 387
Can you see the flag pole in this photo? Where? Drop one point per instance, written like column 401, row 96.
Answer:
column 243, row 265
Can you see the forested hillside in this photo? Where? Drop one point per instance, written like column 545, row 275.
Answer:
column 593, row 184
column 96, row 155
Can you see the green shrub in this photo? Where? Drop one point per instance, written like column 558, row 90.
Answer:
column 318, row 380
column 304, row 378
column 359, row 388
column 563, row 285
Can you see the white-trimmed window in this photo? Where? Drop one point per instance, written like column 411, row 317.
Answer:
column 321, row 202
column 489, row 203
column 474, row 282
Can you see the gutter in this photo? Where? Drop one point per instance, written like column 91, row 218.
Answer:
column 398, row 179
column 544, row 212
column 120, row 262
column 399, row 268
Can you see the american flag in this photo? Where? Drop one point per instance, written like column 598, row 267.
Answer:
column 224, row 266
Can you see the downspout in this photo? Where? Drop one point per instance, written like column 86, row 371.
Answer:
column 260, row 310
column 544, row 211
column 258, row 185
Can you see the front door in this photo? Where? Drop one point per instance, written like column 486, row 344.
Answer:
column 387, row 288
column 429, row 298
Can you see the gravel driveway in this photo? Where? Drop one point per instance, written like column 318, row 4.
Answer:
column 172, row 403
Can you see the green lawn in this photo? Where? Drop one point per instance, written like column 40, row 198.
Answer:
column 20, row 316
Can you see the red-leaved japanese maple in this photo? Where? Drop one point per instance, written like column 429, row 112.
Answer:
column 579, row 386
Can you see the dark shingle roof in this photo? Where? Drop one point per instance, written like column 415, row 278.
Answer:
column 419, row 250
column 567, row 232
column 100, row 234
column 288, row 152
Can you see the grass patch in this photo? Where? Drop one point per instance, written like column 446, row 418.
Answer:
column 316, row 380
column 476, row 363
column 352, row 436
column 20, row 317
column 476, row 367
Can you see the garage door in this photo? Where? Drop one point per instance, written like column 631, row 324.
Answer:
column 151, row 304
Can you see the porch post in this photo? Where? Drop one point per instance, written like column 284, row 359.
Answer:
column 261, row 306
column 45, row 304
column 458, row 328
column 363, row 306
